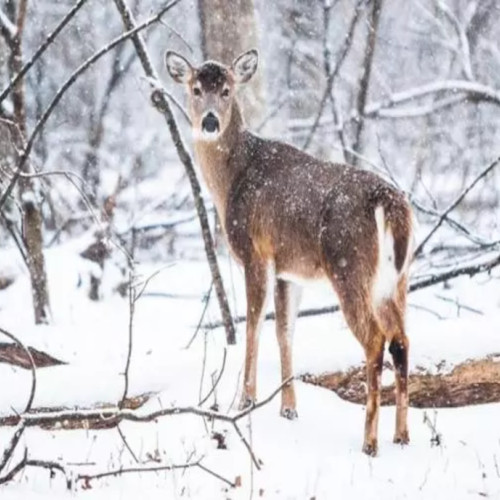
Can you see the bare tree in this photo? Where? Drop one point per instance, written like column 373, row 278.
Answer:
column 29, row 197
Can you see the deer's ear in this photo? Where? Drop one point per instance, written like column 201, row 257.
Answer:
column 179, row 68
column 245, row 65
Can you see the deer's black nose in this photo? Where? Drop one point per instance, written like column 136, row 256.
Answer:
column 210, row 123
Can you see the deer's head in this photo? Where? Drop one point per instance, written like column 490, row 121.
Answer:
column 211, row 90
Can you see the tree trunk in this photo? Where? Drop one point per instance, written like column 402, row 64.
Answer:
column 32, row 218
column 364, row 82
column 228, row 28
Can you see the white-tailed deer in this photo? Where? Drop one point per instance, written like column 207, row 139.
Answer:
column 287, row 213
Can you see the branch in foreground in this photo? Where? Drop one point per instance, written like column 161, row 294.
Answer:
column 418, row 284
column 161, row 103
column 86, row 478
column 50, row 418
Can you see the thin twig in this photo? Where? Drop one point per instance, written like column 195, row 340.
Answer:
column 218, row 476
column 33, row 368
column 127, row 445
column 133, row 470
column 202, row 317
column 131, row 304
column 331, row 77
column 214, row 386
column 247, row 446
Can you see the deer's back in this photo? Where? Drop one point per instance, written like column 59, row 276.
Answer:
column 289, row 207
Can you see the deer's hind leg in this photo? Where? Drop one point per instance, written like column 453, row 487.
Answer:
column 391, row 314
column 286, row 298
column 256, row 281
column 356, row 303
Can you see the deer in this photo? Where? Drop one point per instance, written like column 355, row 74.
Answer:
column 290, row 218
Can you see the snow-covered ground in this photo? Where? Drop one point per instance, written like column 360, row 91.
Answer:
column 317, row 456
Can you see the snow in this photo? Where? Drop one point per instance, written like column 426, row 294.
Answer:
column 317, row 456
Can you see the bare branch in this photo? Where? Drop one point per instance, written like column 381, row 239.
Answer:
column 133, row 470
column 331, row 77
column 14, row 441
column 15, row 470
column 455, row 203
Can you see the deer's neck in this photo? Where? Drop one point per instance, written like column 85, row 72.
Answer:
column 215, row 157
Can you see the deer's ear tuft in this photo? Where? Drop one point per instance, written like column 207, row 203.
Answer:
column 245, row 65
column 179, row 68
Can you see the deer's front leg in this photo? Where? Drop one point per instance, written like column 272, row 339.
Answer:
column 374, row 361
column 286, row 298
column 256, row 279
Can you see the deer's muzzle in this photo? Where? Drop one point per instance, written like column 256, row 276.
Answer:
column 210, row 123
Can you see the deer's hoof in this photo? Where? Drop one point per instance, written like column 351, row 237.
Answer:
column 370, row 449
column 246, row 402
column 402, row 438
column 289, row 413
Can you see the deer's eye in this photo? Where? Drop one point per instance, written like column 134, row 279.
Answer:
column 225, row 93
column 196, row 91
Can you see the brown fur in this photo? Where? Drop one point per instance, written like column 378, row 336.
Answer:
column 284, row 209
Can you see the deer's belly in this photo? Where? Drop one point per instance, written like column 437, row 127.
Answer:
column 302, row 279
column 298, row 267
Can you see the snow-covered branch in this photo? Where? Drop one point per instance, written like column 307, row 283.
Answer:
column 419, row 111
column 51, row 418
column 462, row 37
column 388, row 108
column 474, row 90
column 7, row 27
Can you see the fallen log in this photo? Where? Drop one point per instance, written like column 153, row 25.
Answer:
column 13, row 354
